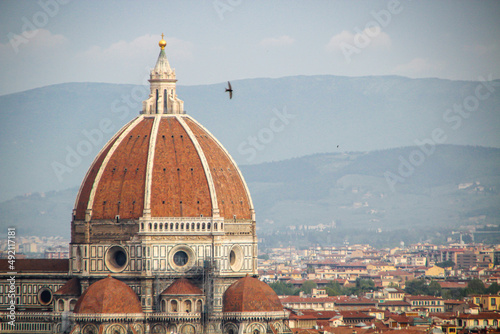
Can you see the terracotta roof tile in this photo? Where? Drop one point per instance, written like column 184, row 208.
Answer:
column 71, row 287
column 37, row 265
column 121, row 188
column 108, row 295
column 232, row 197
column 182, row 286
column 248, row 294
column 181, row 184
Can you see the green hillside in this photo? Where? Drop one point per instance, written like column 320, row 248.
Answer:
column 456, row 188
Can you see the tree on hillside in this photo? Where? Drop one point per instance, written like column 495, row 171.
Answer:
column 334, row 289
column 475, row 287
column 263, row 257
column 284, row 289
column 458, row 294
column 416, row 287
column 307, row 287
column 434, row 289
column 446, row 264
column 364, row 285
column 493, row 289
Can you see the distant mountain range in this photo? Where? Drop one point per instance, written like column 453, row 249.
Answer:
column 50, row 135
column 361, row 156
column 348, row 195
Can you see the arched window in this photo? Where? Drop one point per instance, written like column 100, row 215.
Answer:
column 215, row 226
column 161, row 226
column 187, row 226
column 163, row 306
column 150, row 226
column 142, row 226
column 176, row 226
column 476, row 322
column 187, row 306
column 165, row 101
column 173, row 306
column 60, row 305
column 171, row 226
column 72, row 304
column 203, row 226
column 198, row 226
column 192, row 226
column 156, row 101
column 485, row 322
column 156, row 226
column 199, row 306
column 182, row 226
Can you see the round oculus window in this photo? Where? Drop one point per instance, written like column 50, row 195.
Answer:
column 236, row 258
column 181, row 258
column 45, row 296
column 116, row 258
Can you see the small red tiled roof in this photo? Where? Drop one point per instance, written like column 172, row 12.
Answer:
column 399, row 318
column 182, row 287
column 452, row 285
column 454, row 302
column 355, row 315
column 248, row 294
column 71, row 287
column 298, row 299
column 421, row 297
column 480, row 315
column 352, row 300
column 108, row 295
column 36, row 265
column 442, row 315
column 345, row 330
column 394, row 303
column 325, row 315
column 304, row 331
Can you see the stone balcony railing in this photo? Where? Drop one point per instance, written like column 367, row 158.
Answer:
column 174, row 225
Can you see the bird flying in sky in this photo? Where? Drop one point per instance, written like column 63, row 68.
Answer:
column 230, row 90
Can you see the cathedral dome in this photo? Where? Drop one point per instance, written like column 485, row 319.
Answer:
column 108, row 295
column 163, row 166
column 249, row 294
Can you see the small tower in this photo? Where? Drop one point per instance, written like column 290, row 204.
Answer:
column 162, row 98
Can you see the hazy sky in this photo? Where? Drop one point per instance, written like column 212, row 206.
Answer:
column 218, row 40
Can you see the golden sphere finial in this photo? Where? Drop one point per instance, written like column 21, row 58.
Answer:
column 162, row 43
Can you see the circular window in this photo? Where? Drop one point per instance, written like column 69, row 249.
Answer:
column 232, row 257
column 181, row 258
column 116, row 258
column 236, row 258
column 45, row 296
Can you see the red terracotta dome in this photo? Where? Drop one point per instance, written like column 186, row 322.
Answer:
column 182, row 287
column 108, row 295
column 163, row 166
column 249, row 294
